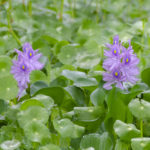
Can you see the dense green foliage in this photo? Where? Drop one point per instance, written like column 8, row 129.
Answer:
column 65, row 106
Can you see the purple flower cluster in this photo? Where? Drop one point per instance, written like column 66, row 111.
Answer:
column 27, row 61
column 120, row 65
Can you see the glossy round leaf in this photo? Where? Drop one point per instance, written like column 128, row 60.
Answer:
column 29, row 103
column 34, row 113
column 50, row 147
column 8, row 88
column 91, row 140
column 86, row 114
column 106, row 142
column 68, row 54
column 47, row 101
column 98, row 97
column 5, row 66
column 36, row 132
column 146, row 95
column 3, row 106
column 67, row 129
column 57, row 93
column 64, row 127
column 10, row 145
column 37, row 75
column 37, row 86
column 87, row 61
column 77, row 94
column 140, row 143
column 145, row 76
column 140, row 109
column 80, row 78
column 121, row 145
column 126, row 131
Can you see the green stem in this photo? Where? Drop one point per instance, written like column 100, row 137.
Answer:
column 35, row 145
column 30, row 7
column 10, row 5
column 9, row 23
column 141, row 127
column 23, row 3
column 60, row 113
column 74, row 8
column 71, row 8
column 97, row 18
column 61, row 10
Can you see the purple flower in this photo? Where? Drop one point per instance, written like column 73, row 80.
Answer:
column 114, row 77
column 113, row 55
column 129, row 65
column 27, row 61
column 120, row 65
column 31, row 57
column 26, row 46
column 21, row 73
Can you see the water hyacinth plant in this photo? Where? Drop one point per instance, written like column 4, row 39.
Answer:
column 79, row 91
column 27, row 61
column 120, row 65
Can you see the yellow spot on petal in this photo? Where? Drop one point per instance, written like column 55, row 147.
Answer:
column 116, row 73
column 30, row 54
column 23, row 67
column 127, row 60
column 115, row 51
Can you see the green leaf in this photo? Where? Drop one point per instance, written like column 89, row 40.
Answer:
column 116, row 108
column 86, row 114
column 64, row 127
column 67, row 129
column 98, row 97
column 37, row 75
column 50, row 147
column 35, row 131
column 57, row 93
column 140, row 109
column 5, row 66
column 77, row 94
column 3, row 106
column 146, row 95
column 47, row 101
column 37, row 86
column 126, row 131
column 106, row 142
column 98, row 142
column 145, row 76
column 68, row 54
column 10, row 145
column 140, row 143
column 8, row 88
column 91, row 140
column 80, row 78
column 87, row 61
column 29, row 103
column 34, row 113
column 146, row 128
column 121, row 145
